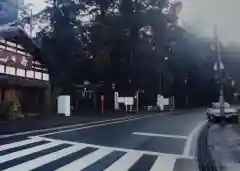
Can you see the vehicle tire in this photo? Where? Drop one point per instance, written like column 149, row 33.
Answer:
column 215, row 120
column 210, row 118
column 234, row 119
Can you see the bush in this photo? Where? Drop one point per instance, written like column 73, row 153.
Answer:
column 10, row 110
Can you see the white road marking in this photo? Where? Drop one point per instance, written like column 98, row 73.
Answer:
column 164, row 163
column 32, row 164
column 28, row 151
column 61, row 127
column 125, row 162
column 187, row 148
column 98, row 125
column 87, row 160
column 160, row 135
column 114, row 148
column 18, row 144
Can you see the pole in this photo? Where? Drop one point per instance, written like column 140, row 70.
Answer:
column 186, row 90
column 137, row 99
column 221, row 93
column 102, row 104
column 31, row 23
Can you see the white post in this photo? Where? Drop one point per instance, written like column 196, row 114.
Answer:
column 116, row 104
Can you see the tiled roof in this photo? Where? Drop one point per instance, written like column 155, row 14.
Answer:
column 6, row 28
column 10, row 31
column 18, row 35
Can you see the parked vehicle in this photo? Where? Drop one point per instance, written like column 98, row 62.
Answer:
column 230, row 113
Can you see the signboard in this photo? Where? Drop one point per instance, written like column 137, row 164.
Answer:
column 161, row 101
column 16, row 60
column 129, row 101
column 215, row 68
column 121, row 99
column 102, row 97
column 9, row 11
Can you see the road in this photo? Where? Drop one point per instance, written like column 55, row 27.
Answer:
column 156, row 142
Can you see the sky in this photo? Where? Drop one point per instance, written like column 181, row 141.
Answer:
column 38, row 4
column 199, row 17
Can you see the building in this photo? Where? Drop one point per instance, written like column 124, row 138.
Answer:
column 23, row 77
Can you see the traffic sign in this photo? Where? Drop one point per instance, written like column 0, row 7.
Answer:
column 216, row 66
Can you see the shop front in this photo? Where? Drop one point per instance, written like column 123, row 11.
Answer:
column 24, row 81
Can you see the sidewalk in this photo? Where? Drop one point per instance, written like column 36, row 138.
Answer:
column 224, row 144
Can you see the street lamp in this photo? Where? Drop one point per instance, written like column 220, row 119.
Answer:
column 219, row 67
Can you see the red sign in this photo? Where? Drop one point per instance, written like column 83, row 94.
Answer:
column 102, row 97
column 15, row 60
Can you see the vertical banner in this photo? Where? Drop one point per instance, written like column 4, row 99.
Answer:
column 116, row 104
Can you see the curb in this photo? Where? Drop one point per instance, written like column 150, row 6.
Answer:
column 204, row 156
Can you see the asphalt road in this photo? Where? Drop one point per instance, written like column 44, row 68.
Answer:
column 157, row 142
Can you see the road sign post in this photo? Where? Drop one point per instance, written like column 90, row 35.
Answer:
column 102, row 104
column 220, row 67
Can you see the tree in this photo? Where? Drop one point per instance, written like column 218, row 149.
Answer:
column 64, row 39
column 133, row 44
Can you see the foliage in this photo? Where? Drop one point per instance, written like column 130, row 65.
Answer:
column 131, row 43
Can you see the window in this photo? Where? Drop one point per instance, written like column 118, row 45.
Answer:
column 45, row 77
column 38, row 75
column 20, row 72
column 2, row 68
column 30, row 74
column 10, row 70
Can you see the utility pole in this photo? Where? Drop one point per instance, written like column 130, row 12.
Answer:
column 137, row 101
column 219, row 70
column 31, row 21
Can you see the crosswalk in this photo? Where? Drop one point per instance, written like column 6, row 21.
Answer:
column 38, row 154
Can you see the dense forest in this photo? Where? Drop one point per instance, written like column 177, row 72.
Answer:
column 130, row 45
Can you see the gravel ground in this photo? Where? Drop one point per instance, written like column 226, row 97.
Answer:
column 224, row 144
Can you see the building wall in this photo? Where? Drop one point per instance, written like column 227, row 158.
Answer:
column 16, row 62
column 23, row 80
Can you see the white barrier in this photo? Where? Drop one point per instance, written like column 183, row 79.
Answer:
column 64, row 105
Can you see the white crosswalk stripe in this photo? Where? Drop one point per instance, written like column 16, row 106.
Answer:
column 19, row 144
column 28, row 151
column 46, row 159
column 87, row 160
column 124, row 163
column 165, row 163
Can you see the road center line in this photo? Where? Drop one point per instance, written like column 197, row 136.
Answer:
column 62, row 127
column 99, row 125
column 160, row 135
